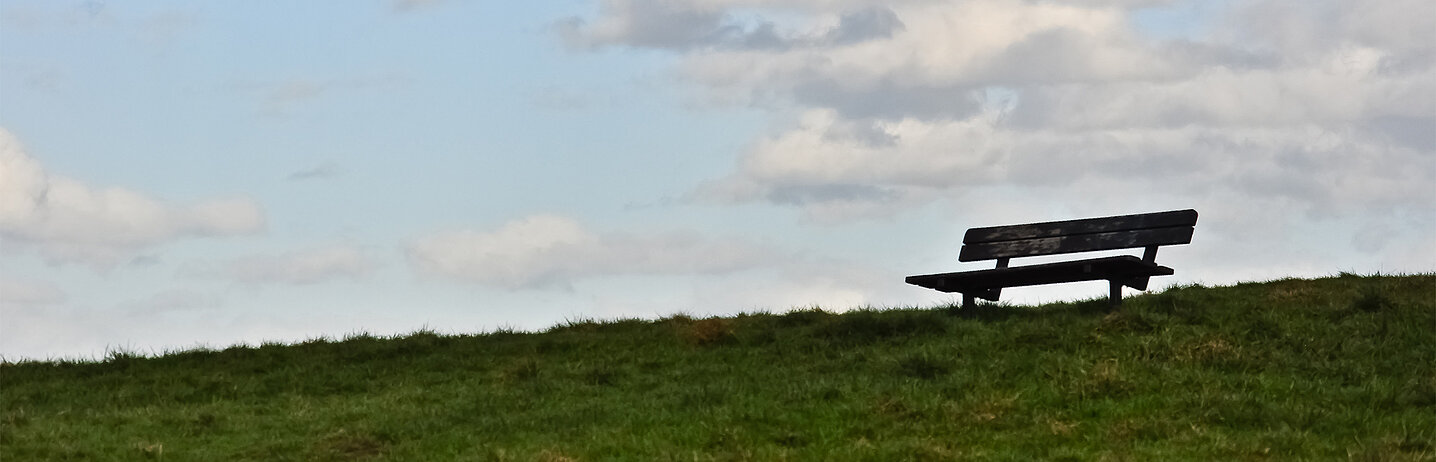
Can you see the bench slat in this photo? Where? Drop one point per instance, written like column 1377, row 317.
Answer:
column 1077, row 243
column 1084, row 226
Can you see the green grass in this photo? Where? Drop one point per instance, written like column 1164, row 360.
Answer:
column 1335, row 368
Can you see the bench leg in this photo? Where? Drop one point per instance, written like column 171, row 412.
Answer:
column 968, row 301
column 1116, row 292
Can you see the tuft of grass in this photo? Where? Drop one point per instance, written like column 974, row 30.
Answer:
column 1372, row 299
column 1105, row 379
column 711, row 331
column 867, row 326
column 601, row 376
column 804, row 317
column 344, row 445
column 523, row 370
column 150, row 451
column 922, row 366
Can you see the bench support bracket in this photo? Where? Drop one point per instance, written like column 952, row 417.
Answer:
column 1149, row 255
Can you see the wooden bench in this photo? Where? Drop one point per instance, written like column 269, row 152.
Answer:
column 1003, row 243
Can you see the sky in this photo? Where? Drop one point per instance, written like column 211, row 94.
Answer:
column 179, row 175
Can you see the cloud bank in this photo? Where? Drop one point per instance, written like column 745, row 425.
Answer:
column 301, row 267
column 1325, row 108
column 29, row 292
column 546, row 251
column 68, row 221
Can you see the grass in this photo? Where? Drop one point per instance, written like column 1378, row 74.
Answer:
column 1335, row 368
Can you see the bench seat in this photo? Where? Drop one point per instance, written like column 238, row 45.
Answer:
column 986, row 284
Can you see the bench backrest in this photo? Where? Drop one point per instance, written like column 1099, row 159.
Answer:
column 1091, row 234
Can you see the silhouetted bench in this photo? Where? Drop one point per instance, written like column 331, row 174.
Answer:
column 1003, row 243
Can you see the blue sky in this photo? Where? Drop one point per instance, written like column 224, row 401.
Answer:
column 175, row 175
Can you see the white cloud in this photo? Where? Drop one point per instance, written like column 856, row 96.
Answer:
column 1318, row 170
column 547, row 250
column 295, row 268
column 71, row 222
column 1293, row 104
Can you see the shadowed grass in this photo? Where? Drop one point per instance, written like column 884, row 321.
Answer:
column 1335, row 368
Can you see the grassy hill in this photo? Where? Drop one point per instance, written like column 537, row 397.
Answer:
column 1335, row 368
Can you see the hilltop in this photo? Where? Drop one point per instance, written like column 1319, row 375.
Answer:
column 1340, row 367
